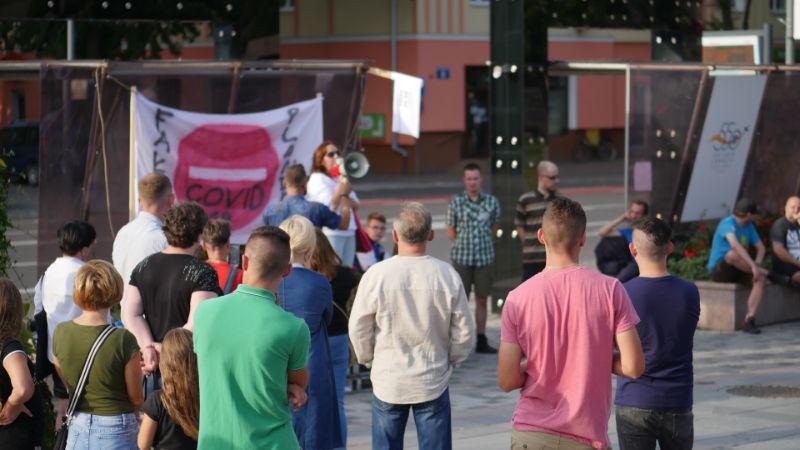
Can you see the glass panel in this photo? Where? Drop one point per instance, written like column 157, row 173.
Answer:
column 662, row 107
column 73, row 153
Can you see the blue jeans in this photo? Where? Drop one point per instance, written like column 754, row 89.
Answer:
column 432, row 418
column 340, row 353
column 640, row 429
column 90, row 432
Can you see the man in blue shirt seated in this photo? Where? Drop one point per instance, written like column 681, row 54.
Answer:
column 657, row 407
column 294, row 180
column 730, row 261
column 611, row 253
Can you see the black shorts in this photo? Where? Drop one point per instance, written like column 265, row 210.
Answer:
column 482, row 277
column 726, row 273
column 783, row 268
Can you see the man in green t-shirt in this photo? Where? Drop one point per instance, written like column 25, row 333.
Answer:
column 251, row 355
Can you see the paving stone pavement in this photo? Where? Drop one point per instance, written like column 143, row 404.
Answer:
column 482, row 412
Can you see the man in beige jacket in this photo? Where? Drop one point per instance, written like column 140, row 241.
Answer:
column 411, row 322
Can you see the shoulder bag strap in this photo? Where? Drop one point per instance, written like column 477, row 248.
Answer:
column 229, row 281
column 341, row 310
column 87, row 367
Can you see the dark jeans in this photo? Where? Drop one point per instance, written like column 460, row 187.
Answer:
column 531, row 269
column 432, row 419
column 640, row 429
column 629, row 272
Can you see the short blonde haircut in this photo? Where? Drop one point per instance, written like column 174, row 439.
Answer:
column 302, row 238
column 98, row 285
column 154, row 188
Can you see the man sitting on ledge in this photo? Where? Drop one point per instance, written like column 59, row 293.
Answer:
column 611, row 253
column 785, row 238
column 731, row 263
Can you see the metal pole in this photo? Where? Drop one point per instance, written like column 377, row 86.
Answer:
column 767, row 47
column 627, row 129
column 789, row 32
column 70, row 39
column 394, row 146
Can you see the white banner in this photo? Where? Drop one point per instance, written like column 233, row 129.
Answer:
column 231, row 164
column 724, row 146
column 406, row 104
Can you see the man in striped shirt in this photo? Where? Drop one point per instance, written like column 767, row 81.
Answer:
column 530, row 209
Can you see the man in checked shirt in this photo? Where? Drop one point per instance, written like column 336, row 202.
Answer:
column 472, row 221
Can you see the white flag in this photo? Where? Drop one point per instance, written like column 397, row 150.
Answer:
column 406, row 104
column 231, row 164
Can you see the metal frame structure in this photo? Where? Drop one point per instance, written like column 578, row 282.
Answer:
column 564, row 68
column 29, row 70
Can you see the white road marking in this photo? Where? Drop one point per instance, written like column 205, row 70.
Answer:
column 25, row 243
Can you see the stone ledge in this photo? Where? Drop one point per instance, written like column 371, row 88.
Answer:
column 724, row 305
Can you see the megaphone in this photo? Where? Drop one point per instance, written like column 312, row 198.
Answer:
column 355, row 164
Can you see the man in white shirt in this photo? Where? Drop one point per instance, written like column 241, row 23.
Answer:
column 143, row 236
column 53, row 292
column 411, row 322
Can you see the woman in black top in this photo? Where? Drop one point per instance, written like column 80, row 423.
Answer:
column 172, row 415
column 21, row 415
column 343, row 280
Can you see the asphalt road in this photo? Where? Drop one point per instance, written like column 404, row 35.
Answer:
column 601, row 204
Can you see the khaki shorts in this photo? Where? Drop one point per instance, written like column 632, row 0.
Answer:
column 534, row 440
column 482, row 277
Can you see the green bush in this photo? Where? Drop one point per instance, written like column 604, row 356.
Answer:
column 5, row 224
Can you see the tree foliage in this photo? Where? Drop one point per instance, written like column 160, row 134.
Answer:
column 5, row 224
column 129, row 30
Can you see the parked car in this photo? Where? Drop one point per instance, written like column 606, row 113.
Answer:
column 19, row 149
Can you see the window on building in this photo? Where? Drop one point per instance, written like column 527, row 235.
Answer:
column 476, row 102
column 287, row 5
column 777, row 6
column 557, row 105
column 479, row 2
column 17, row 106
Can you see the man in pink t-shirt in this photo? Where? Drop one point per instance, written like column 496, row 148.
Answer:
column 566, row 320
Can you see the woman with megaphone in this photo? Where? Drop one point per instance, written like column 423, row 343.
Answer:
column 328, row 184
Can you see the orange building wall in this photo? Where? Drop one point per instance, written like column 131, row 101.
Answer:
column 443, row 103
column 33, row 96
column 600, row 98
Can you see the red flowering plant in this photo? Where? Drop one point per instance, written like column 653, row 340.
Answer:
column 692, row 248
column 689, row 258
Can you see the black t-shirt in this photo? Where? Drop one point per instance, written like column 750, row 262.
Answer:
column 788, row 235
column 342, row 285
column 166, row 283
column 25, row 430
column 169, row 435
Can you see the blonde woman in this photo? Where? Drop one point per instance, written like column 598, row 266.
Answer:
column 172, row 414
column 106, row 413
column 307, row 295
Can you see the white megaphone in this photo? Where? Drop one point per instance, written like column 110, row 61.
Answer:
column 354, row 164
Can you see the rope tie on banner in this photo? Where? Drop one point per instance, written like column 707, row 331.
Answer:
column 99, row 97
column 115, row 80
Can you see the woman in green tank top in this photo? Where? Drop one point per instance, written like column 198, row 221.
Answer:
column 106, row 413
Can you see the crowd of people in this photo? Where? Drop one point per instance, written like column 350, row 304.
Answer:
column 253, row 352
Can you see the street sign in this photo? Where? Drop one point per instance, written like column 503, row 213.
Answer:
column 442, row 73
column 372, row 126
